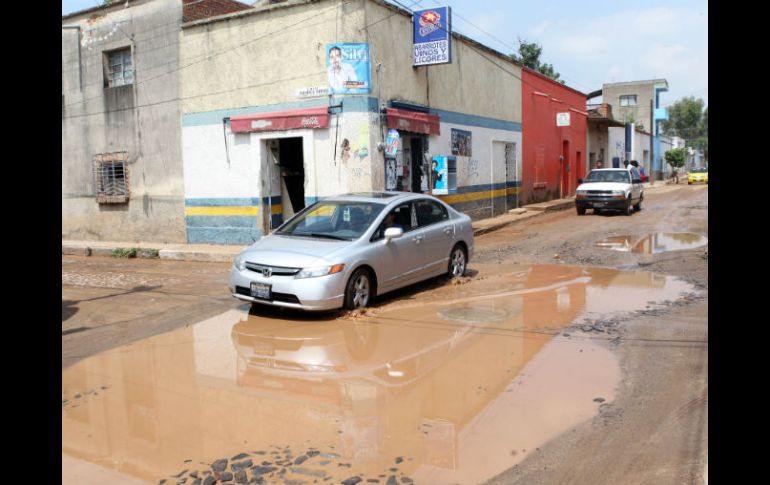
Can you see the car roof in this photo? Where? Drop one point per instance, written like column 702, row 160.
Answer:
column 383, row 197
column 606, row 169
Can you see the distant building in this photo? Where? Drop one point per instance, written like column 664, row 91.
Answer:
column 638, row 102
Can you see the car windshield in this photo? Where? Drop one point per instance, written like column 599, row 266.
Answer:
column 699, row 170
column 608, row 176
column 333, row 220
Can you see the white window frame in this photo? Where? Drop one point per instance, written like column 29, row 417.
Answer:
column 118, row 67
column 625, row 99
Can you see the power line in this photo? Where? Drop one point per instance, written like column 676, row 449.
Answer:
column 204, row 57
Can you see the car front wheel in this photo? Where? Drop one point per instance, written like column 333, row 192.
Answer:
column 358, row 290
column 457, row 261
column 581, row 211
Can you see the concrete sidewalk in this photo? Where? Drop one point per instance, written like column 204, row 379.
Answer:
column 222, row 253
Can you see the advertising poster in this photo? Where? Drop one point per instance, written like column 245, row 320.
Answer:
column 432, row 36
column 348, row 68
column 461, row 142
column 439, row 175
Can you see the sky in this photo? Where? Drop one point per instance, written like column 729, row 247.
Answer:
column 588, row 42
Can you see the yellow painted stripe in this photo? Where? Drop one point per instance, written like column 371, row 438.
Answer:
column 472, row 196
column 277, row 209
column 222, row 211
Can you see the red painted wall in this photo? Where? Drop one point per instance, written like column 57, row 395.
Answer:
column 544, row 175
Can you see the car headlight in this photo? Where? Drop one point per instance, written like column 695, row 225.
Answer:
column 581, row 193
column 618, row 192
column 320, row 271
column 239, row 262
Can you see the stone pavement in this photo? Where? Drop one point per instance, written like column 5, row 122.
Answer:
column 223, row 253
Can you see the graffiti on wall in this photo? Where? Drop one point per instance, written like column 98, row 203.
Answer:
column 472, row 169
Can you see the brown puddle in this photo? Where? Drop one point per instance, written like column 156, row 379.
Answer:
column 660, row 242
column 453, row 389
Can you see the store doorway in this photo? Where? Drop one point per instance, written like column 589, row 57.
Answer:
column 292, row 166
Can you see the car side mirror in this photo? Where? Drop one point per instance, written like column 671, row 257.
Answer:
column 580, row 181
column 393, row 233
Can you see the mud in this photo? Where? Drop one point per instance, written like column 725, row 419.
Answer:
column 653, row 243
column 454, row 388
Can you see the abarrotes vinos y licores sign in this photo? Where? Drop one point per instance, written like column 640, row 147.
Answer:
column 432, row 36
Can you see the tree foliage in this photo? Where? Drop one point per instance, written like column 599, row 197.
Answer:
column 686, row 119
column 676, row 157
column 529, row 56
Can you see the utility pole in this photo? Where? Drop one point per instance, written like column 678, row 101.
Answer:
column 652, row 140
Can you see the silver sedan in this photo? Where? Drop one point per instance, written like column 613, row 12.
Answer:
column 343, row 251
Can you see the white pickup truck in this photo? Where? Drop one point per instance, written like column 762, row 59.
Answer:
column 610, row 189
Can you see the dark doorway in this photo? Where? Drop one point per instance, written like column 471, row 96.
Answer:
column 417, row 164
column 293, row 171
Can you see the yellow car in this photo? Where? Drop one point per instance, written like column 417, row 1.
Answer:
column 698, row 175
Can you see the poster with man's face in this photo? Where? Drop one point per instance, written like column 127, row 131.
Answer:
column 348, row 68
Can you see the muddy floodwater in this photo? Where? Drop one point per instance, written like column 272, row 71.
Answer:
column 653, row 243
column 453, row 386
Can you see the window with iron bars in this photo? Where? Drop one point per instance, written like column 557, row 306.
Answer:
column 111, row 178
column 118, row 68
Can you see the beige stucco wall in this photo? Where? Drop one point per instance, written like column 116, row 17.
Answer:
column 452, row 87
column 141, row 119
column 641, row 112
column 262, row 58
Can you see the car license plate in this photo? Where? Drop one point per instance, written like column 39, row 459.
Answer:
column 598, row 204
column 260, row 290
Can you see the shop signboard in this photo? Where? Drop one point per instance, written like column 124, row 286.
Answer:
column 432, row 36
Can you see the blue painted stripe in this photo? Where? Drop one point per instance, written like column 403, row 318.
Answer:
column 222, row 202
column 478, row 121
column 222, row 235
column 487, row 187
column 350, row 104
column 222, row 221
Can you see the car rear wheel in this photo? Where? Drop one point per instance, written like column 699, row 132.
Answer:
column 457, row 259
column 638, row 206
column 358, row 290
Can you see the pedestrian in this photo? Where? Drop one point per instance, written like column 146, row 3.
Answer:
column 640, row 169
column 599, row 164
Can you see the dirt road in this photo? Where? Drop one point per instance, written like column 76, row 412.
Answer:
column 656, row 430
column 653, row 429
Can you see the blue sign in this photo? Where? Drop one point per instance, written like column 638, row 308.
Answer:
column 348, row 69
column 439, row 175
column 391, row 143
column 432, row 36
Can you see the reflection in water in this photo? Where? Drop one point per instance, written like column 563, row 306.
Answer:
column 441, row 392
column 654, row 243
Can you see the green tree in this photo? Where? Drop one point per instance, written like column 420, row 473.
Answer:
column 676, row 158
column 685, row 119
column 529, row 56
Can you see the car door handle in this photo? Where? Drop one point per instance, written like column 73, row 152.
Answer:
column 417, row 239
column 448, row 230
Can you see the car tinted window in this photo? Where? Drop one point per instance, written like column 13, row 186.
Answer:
column 402, row 217
column 430, row 212
column 333, row 220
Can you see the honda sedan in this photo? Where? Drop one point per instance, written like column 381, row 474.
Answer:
column 345, row 250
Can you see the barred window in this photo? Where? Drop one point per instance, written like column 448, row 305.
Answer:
column 118, row 68
column 111, row 178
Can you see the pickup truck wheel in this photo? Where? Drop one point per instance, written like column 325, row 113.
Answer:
column 629, row 207
column 638, row 206
column 581, row 211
